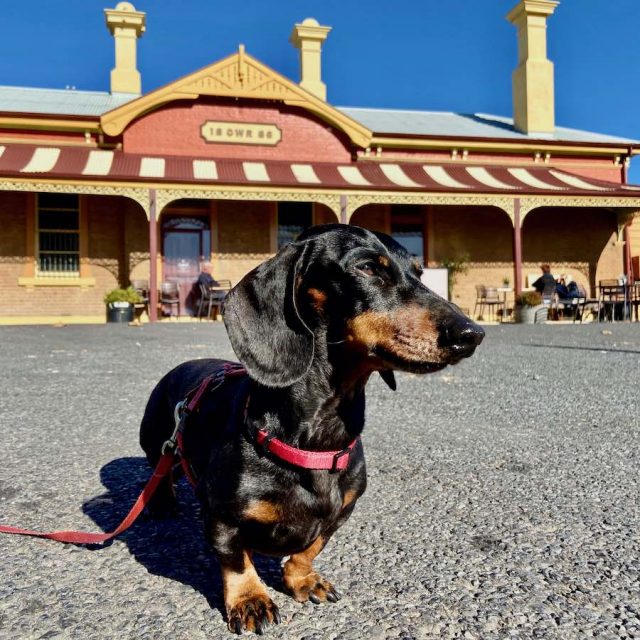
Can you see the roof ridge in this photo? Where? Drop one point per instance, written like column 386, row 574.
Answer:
column 454, row 113
column 67, row 91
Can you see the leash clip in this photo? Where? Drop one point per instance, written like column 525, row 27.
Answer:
column 179, row 414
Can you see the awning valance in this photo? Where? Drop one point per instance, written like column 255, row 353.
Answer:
column 78, row 163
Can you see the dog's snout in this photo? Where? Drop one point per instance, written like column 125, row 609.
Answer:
column 462, row 337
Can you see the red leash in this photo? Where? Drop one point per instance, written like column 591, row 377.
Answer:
column 79, row 537
column 170, row 449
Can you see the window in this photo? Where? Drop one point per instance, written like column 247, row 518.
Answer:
column 407, row 229
column 293, row 219
column 58, row 234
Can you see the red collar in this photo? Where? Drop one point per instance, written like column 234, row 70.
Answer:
column 330, row 460
column 317, row 460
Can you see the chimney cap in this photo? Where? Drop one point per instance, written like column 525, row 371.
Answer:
column 532, row 7
column 125, row 15
column 308, row 29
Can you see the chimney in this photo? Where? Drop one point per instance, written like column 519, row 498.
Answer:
column 533, row 93
column 126, row 25
column 308, row 38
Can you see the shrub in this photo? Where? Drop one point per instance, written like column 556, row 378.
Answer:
column 123, row 295
column 529, row 299
column 455, row 266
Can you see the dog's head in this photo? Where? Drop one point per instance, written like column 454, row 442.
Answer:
column 348, row 286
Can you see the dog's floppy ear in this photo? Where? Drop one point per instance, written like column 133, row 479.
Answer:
column 264, row 325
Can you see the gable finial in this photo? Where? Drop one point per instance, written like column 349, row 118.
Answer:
column 241, row 64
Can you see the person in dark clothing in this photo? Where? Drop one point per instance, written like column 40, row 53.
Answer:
column 195, row 299
column 545, row 281
column 562, row 289
column 205, row 276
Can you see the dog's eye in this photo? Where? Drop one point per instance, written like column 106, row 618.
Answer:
column 368, row 268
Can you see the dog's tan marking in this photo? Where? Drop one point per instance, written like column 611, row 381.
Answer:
column 408, row 333
column 244, row 595
column 263, row 511
column 349, row 496
column 384, row 261
column 301, row 581
column 318, row 298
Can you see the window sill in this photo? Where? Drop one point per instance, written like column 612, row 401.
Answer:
column 43, row 281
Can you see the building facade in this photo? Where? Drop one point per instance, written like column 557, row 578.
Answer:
column 232, row 161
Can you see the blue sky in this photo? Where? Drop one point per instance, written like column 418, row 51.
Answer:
column 454, row 55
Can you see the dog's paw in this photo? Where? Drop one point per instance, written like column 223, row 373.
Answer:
column 253, row 614
column 311, row 587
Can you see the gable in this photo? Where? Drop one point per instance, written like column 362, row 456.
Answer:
column 237, row 76
column 242, row 129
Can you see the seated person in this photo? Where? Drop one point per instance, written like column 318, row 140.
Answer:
column 546, row 280
column 573, row 290
column 561, row 288
column 205, row 276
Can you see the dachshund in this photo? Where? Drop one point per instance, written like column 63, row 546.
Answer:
column 310, row 326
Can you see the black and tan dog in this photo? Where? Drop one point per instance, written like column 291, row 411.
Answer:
column 310, row 326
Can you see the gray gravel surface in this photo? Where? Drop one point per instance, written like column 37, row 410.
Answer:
column 503, row 494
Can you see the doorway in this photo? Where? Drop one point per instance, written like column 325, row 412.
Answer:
column 186, row 243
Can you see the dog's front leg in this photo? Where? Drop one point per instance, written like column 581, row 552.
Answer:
column 246, row 600
column 302, row 582
column 298, row 575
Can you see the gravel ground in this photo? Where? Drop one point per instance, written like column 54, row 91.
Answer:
column 503, row 494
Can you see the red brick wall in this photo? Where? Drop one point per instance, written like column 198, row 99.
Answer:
column 567, row 237
column 175, row 130
column 109, row 255
column 576, row 241
column 244, row 232
column 581, row 242
column 12, row 250
column 482, row 236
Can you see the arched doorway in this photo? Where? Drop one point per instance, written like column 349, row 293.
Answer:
column 186, row 243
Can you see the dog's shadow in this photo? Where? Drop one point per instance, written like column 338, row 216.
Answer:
column 174, row 548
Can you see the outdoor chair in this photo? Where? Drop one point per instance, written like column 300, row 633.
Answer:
column 581, row 304
column 213, row 297
column 572, row 304
column 634, row 300
column 169, row 297
column 142, row 289
column 488, row 297
column 612, row 300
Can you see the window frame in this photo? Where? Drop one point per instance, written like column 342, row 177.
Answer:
column 31, row 276
column 54, row 273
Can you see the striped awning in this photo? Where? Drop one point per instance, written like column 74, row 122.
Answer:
column 19, row 160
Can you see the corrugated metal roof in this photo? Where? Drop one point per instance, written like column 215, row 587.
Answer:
column 69, row 102
column 476, row 125
column 381, row 121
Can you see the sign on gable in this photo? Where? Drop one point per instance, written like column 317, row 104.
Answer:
column 240, row 133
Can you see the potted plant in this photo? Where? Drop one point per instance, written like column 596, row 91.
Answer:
column 526, row 306
column 120, row 304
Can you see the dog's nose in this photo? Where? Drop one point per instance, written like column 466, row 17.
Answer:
column 462, row 337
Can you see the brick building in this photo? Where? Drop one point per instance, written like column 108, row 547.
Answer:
column 231, row 161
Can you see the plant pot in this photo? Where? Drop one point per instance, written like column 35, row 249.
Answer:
column 119, row 312
column 526, row 315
